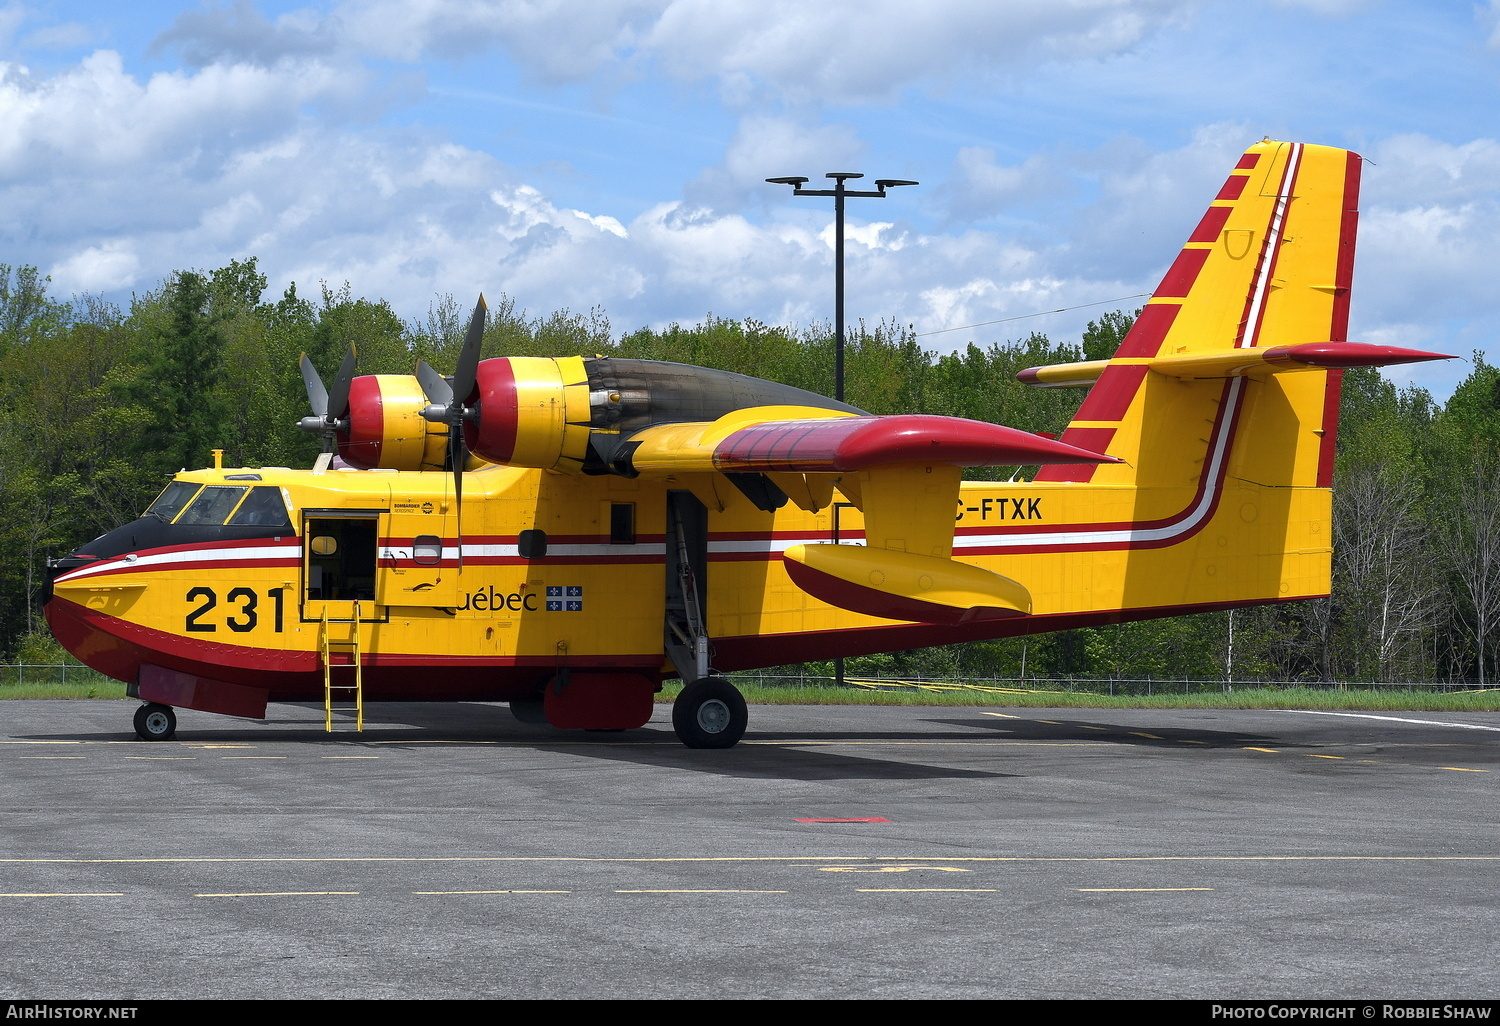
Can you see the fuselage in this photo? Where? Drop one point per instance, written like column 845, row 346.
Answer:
column 571, row 571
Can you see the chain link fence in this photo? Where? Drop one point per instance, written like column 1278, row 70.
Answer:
column 1092, row 685
column 48, row 673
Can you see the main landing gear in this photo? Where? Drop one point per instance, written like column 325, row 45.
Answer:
column 155, row 722
column 710, row 713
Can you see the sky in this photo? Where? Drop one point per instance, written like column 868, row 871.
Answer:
column 612, row 153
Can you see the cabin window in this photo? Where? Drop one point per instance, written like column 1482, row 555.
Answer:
column 324, row 545
column 170, row 502
column 262, row 508
column 622, row 523
column 213, row 504
column 427, row 550
column 532, row 544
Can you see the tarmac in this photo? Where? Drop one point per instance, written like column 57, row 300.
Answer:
column 449, row 851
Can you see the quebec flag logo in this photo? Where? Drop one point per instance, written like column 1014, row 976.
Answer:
column 565, row 599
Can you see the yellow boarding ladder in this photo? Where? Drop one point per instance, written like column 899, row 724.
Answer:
column 328, row 644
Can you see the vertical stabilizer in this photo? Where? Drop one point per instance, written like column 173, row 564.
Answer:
column 1270, row 264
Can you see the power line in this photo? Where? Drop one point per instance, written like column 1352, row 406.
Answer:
column 1022, row 317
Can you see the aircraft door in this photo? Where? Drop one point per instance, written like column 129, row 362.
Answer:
column 338, row 564
column 418, row 563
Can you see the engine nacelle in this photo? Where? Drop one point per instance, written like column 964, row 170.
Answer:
column 386, row 428
column 530, row 412
column 576, row 414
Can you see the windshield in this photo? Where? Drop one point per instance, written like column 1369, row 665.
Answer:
column 213, row 504
column 170, row 502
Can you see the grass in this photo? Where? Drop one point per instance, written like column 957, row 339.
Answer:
column 1242, row 697
column 1351, row 697
column 103, row 687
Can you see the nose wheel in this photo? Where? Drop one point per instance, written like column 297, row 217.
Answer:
column 710, row 713
column 155, row 722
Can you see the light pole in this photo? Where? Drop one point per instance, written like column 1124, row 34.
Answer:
column 839, row 193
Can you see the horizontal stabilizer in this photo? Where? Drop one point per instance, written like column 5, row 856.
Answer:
column 1233, row 363
column 904, row 585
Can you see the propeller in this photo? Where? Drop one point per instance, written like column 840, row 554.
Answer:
column 330, row 410
column 450, row 405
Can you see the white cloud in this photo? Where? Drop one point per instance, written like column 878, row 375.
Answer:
column 1429, row 216
column 978, row 187
column 110, row 265
column 781, row 145
column 837, row 50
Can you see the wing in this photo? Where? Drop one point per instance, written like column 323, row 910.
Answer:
column 902, row 472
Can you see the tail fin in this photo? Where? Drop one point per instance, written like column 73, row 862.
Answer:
column 1267, row 268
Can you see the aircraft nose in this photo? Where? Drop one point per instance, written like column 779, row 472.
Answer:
column 57, row 567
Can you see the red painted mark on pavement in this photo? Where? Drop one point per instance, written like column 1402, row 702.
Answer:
column 857, row 819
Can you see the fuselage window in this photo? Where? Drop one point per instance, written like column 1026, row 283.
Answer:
column 622, row 523
column 170, row 502
column 213, row 504
column 263, row 508
column 427, row 550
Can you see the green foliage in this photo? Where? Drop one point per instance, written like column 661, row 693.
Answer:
column 99, row 406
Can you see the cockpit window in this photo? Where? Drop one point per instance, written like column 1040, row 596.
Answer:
column 262, row 507
column 170, row 502
column 213, row 504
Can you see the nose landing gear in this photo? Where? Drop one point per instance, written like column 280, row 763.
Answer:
column 155, row 722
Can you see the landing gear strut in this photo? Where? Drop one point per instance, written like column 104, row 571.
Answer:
column 155, row 722
column 710, row 713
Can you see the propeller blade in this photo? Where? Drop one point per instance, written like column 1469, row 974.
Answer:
column 465, row 374
column 434, row 385
column 317, row 395
column 338, row 399
column 458, row 455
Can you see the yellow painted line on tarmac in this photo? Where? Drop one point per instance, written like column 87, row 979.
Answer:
column 1003, row 716
column 1189, row 741
column 702, row 890
column 1463, row 769
column 63, row 894
column 1136, row 890
column 276, row 894
column 1142, row 733
column 1273, row 751
column 1055, row 723
column 349, row 757
column 220, row 746
column 926, row 890
column 52, row 757
column 1311, row 756
column 252, row 757
column 162, row 758
column 741, row 859
column 10, row 741
column 491, row 892
column 1085, row 726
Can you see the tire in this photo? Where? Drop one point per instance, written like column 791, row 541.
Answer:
column 155, row 722
column 710, row 713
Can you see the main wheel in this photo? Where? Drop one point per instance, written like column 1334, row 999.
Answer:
column 710, row 713
column 155, row 722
